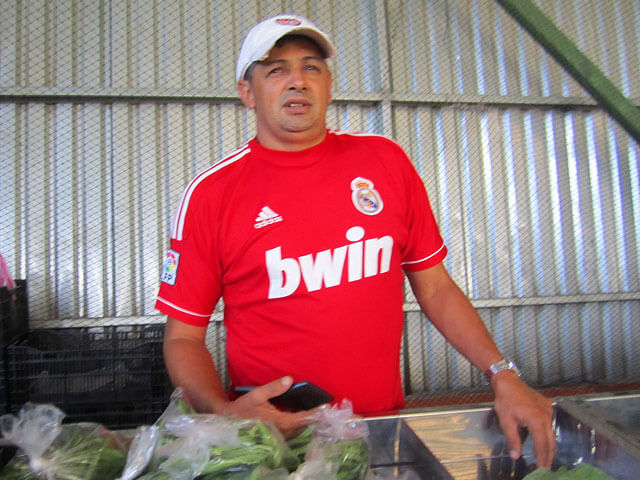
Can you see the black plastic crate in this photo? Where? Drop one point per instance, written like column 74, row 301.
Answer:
column 14, row 321
column 14, row 312
column 115, row 415
column 4, row 399
column 114, row 375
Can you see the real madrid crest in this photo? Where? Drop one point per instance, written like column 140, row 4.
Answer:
column 364, row 197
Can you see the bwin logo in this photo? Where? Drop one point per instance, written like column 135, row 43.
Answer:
column 363, row 258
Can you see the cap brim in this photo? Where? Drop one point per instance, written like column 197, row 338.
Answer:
column 315, row 35
column 322, row 41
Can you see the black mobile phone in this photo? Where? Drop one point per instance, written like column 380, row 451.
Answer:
column 300, row 396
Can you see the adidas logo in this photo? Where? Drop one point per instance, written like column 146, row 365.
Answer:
column 266, row 217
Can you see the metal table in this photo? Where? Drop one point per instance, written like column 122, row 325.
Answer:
column 466, row 443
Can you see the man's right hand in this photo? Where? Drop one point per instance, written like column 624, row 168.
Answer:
column 191, row 367
column 255, row 405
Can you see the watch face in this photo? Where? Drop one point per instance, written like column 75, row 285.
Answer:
column 500, row 366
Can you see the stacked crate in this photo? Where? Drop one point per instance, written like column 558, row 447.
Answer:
column 14, row 322
column 113, row 375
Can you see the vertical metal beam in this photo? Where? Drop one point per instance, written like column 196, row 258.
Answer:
column 556, row 43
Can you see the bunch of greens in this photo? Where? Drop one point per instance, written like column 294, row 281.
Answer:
column 339, row 441
column 257, row 448
column 48, row 449
column 259, row 452
column 184, row 445
column 298, row 445
column 581, row 472
column 351, row 458
column 79, row 452
column 209, row 447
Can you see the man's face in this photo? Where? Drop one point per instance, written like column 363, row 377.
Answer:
column 290, row 92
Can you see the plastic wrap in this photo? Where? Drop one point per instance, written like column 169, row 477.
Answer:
column 140, row 451
column 145, row 441
column 52, row 451
column 209, row 447
column 337, row 447
column 338, row 422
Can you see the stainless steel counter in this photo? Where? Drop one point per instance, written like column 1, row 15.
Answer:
column 467, row 444
column 618, row 415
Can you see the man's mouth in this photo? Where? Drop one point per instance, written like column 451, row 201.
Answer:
column 297, row 108
column 296, row 104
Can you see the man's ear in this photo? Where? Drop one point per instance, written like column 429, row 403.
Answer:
column 330, row 87
column 246, row 94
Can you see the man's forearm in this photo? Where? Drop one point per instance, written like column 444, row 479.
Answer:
column 517, row 405
column 451, row 312
column 461, row 325
column 191, row 368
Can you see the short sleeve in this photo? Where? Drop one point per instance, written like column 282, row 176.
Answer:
column 190, row 283
column 425, row 246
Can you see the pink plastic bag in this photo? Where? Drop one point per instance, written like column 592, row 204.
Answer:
column 5, row 278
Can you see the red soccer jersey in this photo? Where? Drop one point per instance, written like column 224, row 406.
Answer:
column 307, row 250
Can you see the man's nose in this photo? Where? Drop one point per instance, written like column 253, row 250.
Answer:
column 297, row 80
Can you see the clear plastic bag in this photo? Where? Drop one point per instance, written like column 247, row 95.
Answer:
column 207, row 446
column 187, row 444
column 52, row 451
column 140, row 451
column 145, row 442
column 338, row 422
column 338, row 447
column 210, row 447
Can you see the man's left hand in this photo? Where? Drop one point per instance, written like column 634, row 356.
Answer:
column 518, row 405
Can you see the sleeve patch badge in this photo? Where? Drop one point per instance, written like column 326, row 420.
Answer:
column 170, row 267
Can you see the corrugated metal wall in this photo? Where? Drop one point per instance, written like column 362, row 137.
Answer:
column 107, row 109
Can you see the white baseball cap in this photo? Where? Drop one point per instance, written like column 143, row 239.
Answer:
column 263, row 36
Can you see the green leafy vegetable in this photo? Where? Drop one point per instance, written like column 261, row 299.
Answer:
column 77, row 454
column 258, row 449
column 581, row 472
column 298, row 445
column 259, row 446
column 262, row 454
column 155, row 476
column 351, row 456
column 257, row 473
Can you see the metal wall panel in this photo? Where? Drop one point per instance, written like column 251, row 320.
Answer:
column 472, row 47
column 108, row 109
column 165, row 47
column 532, row 202
column 440, row 47
column 562, row 344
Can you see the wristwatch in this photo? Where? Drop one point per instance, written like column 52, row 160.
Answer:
column 498, row 367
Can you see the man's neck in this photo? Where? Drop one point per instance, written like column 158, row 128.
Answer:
column 293, row 143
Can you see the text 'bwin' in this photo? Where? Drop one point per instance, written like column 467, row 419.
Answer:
column 364, row 258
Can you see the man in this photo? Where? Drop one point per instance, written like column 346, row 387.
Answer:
column 306, row 234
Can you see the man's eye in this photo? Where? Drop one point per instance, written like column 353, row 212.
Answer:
column 312, row 67
column 275, row 70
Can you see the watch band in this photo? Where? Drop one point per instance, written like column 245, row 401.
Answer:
column 499, row 366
